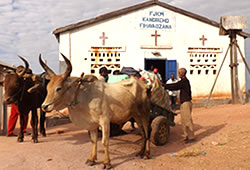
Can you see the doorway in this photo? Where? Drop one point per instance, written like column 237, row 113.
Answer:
column 165, row 67
column 157, row 63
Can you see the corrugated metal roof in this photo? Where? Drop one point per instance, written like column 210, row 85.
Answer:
column 135, row 8
column 5, row 65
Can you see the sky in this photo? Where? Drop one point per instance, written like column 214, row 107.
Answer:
column 26, row 25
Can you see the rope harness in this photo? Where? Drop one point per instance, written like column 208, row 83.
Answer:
column 78, row 82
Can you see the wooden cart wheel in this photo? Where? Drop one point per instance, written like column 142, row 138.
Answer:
column 160, row 130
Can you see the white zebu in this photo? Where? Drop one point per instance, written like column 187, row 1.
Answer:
column 93, row 103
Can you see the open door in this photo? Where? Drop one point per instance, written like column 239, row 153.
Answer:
column 171, row 68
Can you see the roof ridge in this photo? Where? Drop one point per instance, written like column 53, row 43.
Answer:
column 135, row 7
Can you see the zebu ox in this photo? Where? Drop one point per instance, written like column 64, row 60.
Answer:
column 94, row 103
column 16, row 86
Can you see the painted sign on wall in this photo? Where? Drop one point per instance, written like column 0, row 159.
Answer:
column 157, row 20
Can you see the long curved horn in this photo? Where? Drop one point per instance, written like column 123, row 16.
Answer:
column 25, row 68
column 69, row 67
column 46, row 68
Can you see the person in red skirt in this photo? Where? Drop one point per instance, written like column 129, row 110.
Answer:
column 14, row 113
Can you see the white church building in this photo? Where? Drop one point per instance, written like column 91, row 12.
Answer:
column 153, row 33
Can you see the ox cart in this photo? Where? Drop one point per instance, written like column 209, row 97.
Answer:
column 161, row 116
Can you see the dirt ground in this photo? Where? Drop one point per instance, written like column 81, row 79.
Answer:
column 222, row 133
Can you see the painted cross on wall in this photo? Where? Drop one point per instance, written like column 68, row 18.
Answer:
column 203, row 39
column 156, row 36
column 103, row 38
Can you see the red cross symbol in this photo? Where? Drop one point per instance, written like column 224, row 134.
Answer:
column 103, row 38
column 203, row 39
column 155, row 35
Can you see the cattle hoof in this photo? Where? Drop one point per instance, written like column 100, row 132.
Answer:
column 90, row 163
column 107, row 166
column 35, row 141
column 140, row 154
column 20, row 139
column 43, row 134
column 147, row 156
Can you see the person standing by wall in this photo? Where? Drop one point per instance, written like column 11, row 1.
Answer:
column 14, row 113
column 186, row 104
column 172, row 93
column 104, row 74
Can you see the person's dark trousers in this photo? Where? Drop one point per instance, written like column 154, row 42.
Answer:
column 173, row 102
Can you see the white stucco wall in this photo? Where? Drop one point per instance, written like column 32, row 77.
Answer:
column 124, row 31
